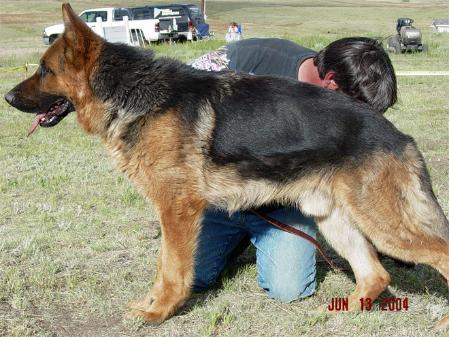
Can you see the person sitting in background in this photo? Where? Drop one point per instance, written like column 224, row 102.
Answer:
column 234, row 32
column 357, row 67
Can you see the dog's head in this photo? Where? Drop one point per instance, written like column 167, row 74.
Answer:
column 61, row 83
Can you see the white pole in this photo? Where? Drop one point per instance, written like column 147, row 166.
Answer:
column 98, row 28
column 128, row 32
column 204, row 8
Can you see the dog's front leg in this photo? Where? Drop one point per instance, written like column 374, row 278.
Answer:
column 180, row 223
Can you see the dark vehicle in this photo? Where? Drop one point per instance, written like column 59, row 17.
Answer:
column 408, row 38
column 176, row 22
column 181, row 19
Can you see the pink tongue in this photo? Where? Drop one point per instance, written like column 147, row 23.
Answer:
column 35, row 123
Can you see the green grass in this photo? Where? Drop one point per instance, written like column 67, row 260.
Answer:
column 78, row 242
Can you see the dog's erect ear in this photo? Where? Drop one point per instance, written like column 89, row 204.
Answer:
column 77, row 35
column 68, row 15
column 74, row 26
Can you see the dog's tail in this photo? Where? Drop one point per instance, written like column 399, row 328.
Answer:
column 393, row 204
column 427, row 240
column 421, row 207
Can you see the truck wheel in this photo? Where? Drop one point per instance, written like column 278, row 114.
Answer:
column 52, row 39
column 425, row 48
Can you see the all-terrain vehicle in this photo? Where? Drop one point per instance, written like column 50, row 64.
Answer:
column 408, row 38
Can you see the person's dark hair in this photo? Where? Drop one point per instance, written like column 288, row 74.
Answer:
column 362, row 70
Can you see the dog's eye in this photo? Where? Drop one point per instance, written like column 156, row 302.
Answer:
column 43, row 70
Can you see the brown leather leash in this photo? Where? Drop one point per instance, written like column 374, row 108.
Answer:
column 292, row 230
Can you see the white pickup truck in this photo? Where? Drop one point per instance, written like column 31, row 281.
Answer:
column 110, row 17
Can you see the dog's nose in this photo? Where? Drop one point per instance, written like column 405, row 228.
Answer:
column 9, row 97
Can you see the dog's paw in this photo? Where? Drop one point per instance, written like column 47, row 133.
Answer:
column 151, row 310
column 150, row 316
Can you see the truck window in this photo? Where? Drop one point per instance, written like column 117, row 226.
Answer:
column 142, row 13
column 120, row 13
column 92, row 16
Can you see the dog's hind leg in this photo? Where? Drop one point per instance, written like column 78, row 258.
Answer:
column 180, row 223
column 349, row 242
column 409, row 245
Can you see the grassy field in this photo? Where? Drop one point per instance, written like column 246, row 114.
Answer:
column 77, row 242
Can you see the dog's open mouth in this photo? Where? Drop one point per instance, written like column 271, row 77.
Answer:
column 53, row 115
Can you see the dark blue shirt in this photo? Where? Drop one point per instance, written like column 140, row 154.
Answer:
column 269, row 56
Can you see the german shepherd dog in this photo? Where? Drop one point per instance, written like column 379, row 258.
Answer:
column 190, row 138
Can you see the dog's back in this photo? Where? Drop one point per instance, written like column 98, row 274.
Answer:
column 276, row 128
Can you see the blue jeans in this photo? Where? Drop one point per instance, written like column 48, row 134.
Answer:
column 285, row 262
